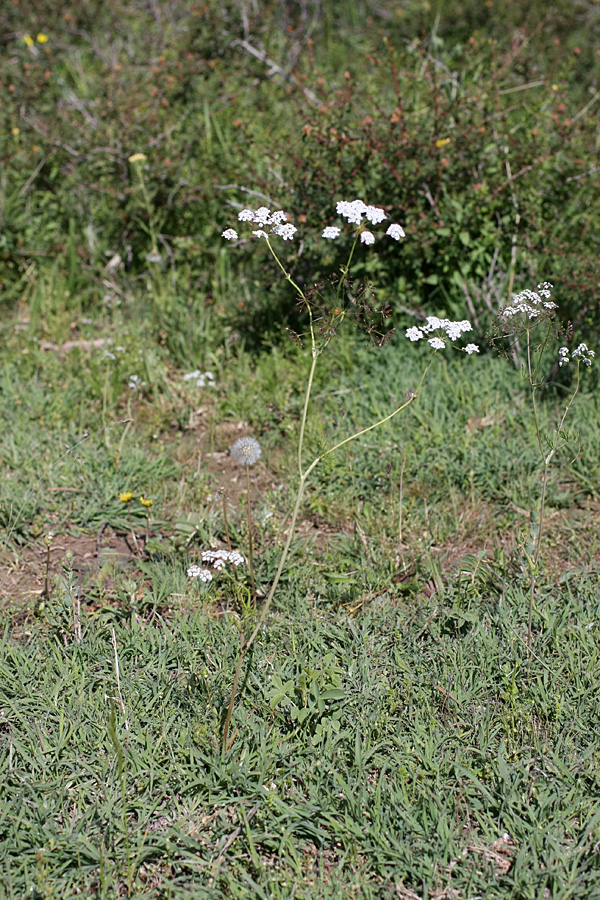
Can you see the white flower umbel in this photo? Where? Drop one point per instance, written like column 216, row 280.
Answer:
column 201, row 379
column 446, row 331
column 375, row 215
column 198, row 572
column 353, row 210
column 264, row 218
column 582, row 353
column 367, row 237
column 530, row 304
column 219, row 558
column 395, row 232
column 331, row 232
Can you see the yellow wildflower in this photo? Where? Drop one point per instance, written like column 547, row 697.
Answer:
column 42, row 38
column 28, row 40
column 442, row 142
column 145, row 502
column 137, row 157
column 15, row 131
column 127, row 497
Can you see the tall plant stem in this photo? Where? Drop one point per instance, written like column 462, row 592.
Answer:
column 547, row 459
column 250, row 544
column 304, row 475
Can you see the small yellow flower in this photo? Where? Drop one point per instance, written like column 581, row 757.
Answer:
column 35, row 148
column 145, row 502
column 127, row 497
column 554, row 87
column 137, row 157
column 15, row 131
column 442, row 142
column 28, row 40
column 42, row 38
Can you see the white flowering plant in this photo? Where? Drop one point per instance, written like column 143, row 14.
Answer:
column 530, row 320
column 365, row 225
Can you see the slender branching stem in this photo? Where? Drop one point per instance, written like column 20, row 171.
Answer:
column 250, row 544
column 304, row 475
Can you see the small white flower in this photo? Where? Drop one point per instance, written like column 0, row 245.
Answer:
column 433, row 323
column 395, row 232
column 229, row 234
column 367, row 237
column 203, row 574
column 260, row 234
column 331, row 232
column 436, row 342
column 584, row 354
column 201, row 379
column 262, row 216
column 455, row 329
column 353, row 211
column 278, row 217
column 375, row 215
column 135, row 382
column 246, row 215
column 471, row 348
column 414, row 333
column 286, row 232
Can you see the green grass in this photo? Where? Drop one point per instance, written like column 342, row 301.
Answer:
column 442, row 736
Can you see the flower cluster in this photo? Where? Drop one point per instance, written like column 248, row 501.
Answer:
column 276, row 222
column 530, row 303
column 218, row 558
column 582, row 353
column 451, row 331
column 354, row 211
column 200, row 379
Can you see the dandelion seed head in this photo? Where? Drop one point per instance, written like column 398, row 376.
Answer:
column 246, row 451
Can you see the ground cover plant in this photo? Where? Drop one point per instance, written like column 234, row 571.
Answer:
column 282, row 615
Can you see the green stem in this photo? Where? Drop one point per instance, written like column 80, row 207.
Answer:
column 250, row 544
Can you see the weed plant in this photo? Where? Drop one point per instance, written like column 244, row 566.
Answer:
column 395, row 733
